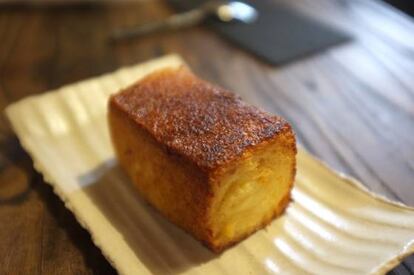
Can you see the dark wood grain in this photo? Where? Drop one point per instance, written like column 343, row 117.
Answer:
column 352, row 106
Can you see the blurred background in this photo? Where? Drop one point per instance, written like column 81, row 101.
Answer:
column 341, row 71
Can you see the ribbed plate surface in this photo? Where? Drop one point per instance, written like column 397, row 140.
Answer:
column 334, row 226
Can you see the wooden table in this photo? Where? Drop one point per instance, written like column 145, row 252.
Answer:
column 352, row 106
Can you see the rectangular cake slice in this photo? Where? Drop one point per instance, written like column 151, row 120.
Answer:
column 210, row 163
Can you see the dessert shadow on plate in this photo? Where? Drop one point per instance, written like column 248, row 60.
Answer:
column 161, row 246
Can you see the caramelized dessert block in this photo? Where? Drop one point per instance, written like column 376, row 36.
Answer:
column 210, row 163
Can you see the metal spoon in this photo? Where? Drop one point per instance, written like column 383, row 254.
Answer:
column 225, row 11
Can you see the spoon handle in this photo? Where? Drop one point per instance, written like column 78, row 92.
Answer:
column 174, row 22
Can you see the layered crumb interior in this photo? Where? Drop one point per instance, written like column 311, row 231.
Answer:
column 250, row 194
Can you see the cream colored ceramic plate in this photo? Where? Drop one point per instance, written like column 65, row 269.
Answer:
column 334, row 225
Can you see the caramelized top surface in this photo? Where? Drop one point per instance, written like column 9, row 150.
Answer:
column 195, row 119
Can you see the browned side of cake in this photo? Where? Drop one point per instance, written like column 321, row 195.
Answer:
column 212, row 164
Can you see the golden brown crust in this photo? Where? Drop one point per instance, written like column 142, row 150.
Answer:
column 194, row 119
column 187, row 201
column 178, row 136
